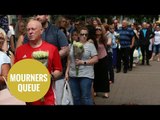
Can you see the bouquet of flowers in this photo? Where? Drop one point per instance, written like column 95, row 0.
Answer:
column 41, row 56
column 117, row 35
column 78, row 50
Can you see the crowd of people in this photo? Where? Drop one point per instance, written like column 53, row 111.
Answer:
column 107, row 48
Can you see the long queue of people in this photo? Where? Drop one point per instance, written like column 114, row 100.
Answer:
column 105, row 48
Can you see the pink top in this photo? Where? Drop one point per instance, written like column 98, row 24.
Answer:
column 101, row 51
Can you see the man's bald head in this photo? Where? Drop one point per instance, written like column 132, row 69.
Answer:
column 35, row 22
column 34, row 29
column 124, row 23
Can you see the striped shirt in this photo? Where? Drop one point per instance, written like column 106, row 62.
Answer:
column 126, row 35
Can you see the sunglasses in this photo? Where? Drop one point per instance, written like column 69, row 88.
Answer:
column 98, row 29
column 83, row 34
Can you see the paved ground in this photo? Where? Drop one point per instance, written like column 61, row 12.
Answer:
column 141, row 86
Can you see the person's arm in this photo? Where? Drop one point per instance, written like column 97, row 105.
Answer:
column 56, row 74
column 5, row 69
column 64, row 51
column 68, row 67
column 5, row 45
column 93, row 58
column 92, row 61
column 109, row 41
column 102, row 26
column 62, row 44
column 132, row 42
column 12, row 43
column 136, row 34
column 57, row 65
column 12, row 57
column 20, row 41
column 152, row 34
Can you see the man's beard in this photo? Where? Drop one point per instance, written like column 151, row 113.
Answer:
column 44, row 23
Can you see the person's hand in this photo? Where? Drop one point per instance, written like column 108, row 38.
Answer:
column 99, row 21
column 131, row 46
column 66, row 76
column 78, row 62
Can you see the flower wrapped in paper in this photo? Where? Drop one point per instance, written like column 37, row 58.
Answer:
column 41, row 56
column 117, row 36
column 78, row 50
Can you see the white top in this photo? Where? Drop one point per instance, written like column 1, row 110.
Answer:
column 157, row 38
column 84, row 70
column 3, row 59
column 10, row 32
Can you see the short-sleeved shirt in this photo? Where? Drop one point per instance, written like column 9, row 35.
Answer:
column 54, row 63
column 84, row 70
column 126, row 35
column 3, row 59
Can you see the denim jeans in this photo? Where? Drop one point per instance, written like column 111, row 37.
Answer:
column 81, row 90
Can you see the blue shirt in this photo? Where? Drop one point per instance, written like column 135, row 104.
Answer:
column 144, row 32
column 126, row 35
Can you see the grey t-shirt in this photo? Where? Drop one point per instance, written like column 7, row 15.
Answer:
column 84, row 70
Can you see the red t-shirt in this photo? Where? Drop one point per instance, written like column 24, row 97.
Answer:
column 54, row 63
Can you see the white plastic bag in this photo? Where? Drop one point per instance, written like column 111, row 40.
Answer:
column 67, row 98
column 135, row 53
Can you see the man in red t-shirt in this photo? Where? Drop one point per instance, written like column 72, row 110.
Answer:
column 34, row 32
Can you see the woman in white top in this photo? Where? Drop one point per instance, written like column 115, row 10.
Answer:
column 4, row 63
column 156, row 44
column 81, row 83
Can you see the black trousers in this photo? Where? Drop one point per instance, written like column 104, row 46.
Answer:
column 123, row 54
column 145, row 53
column 131, row 57
column 110, row 66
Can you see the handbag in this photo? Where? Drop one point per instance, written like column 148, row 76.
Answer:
column 6, row 98
column 67, row 98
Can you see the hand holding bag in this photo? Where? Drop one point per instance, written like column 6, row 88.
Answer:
column 67, row 98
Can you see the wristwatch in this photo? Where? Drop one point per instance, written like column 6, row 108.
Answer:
column 85, row 62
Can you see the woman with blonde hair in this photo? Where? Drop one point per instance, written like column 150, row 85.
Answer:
column 4, row 46
column 4, row 61
column 21, row 33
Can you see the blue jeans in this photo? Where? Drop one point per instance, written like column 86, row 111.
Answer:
column 81, row 90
